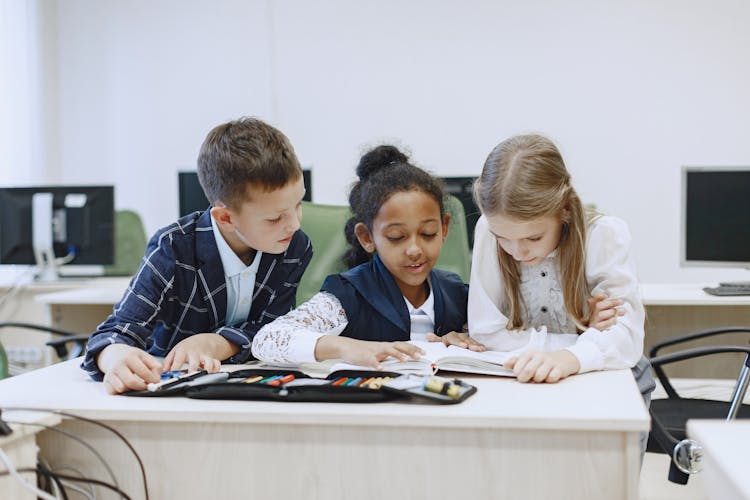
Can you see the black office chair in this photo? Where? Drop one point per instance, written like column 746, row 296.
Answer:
column 670, row 415
column 59, row 345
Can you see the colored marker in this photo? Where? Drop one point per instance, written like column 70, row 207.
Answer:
column 268, row 379
column 354, row 381
column 250, row 380
column 282, row 380
column 340, row 381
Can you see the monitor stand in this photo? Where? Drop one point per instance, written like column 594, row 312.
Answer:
column 43, row 227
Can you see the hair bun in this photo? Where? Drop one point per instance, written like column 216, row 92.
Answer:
column 378, row 158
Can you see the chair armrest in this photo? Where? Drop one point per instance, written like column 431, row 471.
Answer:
column 40, row 328
column 61, row 346
column 693, row 336
column 695, row 352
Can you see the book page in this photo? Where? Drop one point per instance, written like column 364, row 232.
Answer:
column 438, row 356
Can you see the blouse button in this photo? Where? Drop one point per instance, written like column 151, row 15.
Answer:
column 544, row 309
column 544, row 274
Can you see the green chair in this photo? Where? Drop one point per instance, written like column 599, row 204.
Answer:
column 3, row 363
column 324, row 225
column 455, row 255
column 130, row 244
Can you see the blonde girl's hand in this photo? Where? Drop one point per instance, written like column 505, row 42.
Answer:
column 458, row 339
column 604, row 311
column 539, row 366
column 202, row 350
column 364, row 352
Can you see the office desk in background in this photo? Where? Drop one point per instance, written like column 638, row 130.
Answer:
column 679, row 309
column 725, row 474
column 578, row 439
column 78, row 305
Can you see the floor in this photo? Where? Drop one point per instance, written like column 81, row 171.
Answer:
column 654, row 484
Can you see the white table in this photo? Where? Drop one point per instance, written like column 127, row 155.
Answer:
column 725, row 471
column 577, row 439
column 678, row 309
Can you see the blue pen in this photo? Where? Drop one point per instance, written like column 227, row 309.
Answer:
column 171, row 374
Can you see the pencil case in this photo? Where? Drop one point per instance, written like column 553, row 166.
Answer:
column 342, row 386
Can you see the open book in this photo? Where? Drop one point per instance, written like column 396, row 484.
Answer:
column 438, row 357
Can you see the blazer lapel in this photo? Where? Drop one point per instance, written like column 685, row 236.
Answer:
column 438, row 301
column 211, row 283
column 378, row 288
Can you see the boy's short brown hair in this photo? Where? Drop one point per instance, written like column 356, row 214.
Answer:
column 241, row 153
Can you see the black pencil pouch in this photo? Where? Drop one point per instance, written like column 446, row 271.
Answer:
column 343, row 386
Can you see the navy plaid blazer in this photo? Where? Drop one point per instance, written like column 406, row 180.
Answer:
column 180, row 290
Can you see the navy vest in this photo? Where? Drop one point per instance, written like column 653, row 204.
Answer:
column 375, row 307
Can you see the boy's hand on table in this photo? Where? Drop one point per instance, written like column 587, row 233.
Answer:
column 127, row 368
column 200, row 351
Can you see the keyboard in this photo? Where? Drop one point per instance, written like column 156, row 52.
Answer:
column 728, row 290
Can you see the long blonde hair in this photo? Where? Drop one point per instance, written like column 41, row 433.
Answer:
column 525, row 178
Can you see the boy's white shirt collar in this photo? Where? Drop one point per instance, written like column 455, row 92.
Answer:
column 232, row 264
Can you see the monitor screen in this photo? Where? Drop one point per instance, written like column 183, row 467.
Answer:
column 193, row 199
column 463, row 189
column 79, row 218
column 716, row 216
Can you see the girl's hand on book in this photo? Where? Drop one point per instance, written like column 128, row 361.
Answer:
column 364, row 352
column 458, row 339
column 539, row 366
column 604, row 311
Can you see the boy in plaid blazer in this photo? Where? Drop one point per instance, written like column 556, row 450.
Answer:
column 209, row 281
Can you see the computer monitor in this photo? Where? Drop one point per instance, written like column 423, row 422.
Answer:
column 52, row 226
column 715, row 217
column 193, row 199
column 463, row 189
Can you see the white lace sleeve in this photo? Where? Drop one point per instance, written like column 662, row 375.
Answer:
column 291, row 338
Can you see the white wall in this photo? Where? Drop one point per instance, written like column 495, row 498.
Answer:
column 630, row 91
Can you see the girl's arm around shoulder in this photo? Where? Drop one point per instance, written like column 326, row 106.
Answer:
column 292, row 338
column 611, row 271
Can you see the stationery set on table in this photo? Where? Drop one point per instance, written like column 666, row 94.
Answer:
column 414, row 380
column 279, row 384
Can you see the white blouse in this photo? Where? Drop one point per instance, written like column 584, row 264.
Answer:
column 292, row 338
column 610, row 270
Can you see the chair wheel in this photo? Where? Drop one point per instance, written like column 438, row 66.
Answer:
column 688, row 456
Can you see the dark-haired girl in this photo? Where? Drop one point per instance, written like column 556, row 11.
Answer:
column 391, row 294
